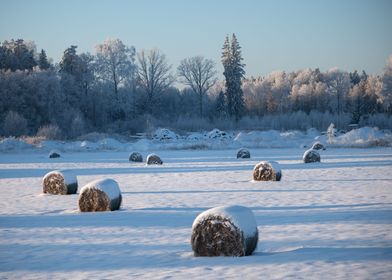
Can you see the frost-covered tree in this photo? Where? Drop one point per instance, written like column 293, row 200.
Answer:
column 43, row 62
column 219, row 106
column 154, row 76
column 234, row 73
column 199, row 74
column 70, row 62
column 386, row 92
column 14, row 124
column 18, row 55
column 115, row 63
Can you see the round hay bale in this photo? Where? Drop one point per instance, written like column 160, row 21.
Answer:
column 153, row 159
column 267, row 171
column 311, row 156
column 225, row 231
column 54, row 154
column 318, row 146
column 136, row 157
column 60, row 182
column 243, row 153
column 100, row 195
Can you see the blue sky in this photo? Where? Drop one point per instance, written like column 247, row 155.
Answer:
column 274, row 35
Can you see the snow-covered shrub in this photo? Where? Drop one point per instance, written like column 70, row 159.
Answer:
column 136, row 157
column 54, row 154
column 318, row 146
column 218, row 134
column 163, row 134
column 267, row 171
column 311, row 156
column 225, row 231
column 153, row 159
column 12, row 144
column 51, row 131
column 14, row 124
column 331, row 133
column 243, row 153
column 60, row 182
column 100, row 195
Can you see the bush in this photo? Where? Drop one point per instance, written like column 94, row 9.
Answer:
column 14, row 124
column 50, row 131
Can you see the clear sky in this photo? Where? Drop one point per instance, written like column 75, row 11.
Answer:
column 274, row 34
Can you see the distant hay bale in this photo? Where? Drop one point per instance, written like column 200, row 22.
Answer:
column 54, row 154
column 60, row 182
column 100, row 195
column 243, row 153
column 267, row 171
column 225, row 231
column 153, row 159
column 311, row 156
column 136, row 157
column 318, row 146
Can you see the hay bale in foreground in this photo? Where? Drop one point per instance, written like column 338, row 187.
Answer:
column 267, row 171
column 311, row 156
column 60, row 182
column 54, row 154
column 100, row 195
column 225, row 231
column 153, row 159
column 136, row 157
column 243, row 153
column 318, row 146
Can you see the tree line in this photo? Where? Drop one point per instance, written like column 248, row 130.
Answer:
column 119, row 90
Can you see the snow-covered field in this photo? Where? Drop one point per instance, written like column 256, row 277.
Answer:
column 329, row 220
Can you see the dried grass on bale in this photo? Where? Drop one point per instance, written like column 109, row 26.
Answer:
column 318, row 146
column 136, row 157
column 218, row 235
column 54, row 154
column 267, row 171
column 243, row 153
column 311, row 156
column 60, row 182
column 153, row 159
column 100, row 195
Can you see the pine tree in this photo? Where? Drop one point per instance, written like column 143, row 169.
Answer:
column 43, row 61
column 234, row 73
column 220, row 108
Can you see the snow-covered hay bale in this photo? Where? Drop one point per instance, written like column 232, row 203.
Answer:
column 60, row 182
column 267, row 171
column 54, row 154
column 318, row 146
column 100, row 195
column 243, row 153
column 311, row 156
column 153, row 159
column 225, row 231
column 136, row 157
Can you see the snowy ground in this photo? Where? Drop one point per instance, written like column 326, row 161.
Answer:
column 330, row 220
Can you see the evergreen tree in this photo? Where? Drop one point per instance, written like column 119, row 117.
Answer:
column 43, row 62
column 220, row 107
column 234, row 73
column 69, row 63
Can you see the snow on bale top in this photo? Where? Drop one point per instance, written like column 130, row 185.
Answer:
column 243, row 153
column 100, row 195
column 164, row 134
column 267, row 171
column 225, row 230
column 153, row 159
column 318, row 146
column 136, row 157
column 311, row 156
column 54, row 154
column 60, row 182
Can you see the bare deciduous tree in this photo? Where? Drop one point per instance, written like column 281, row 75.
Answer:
column 198, row 73
column 154, row 75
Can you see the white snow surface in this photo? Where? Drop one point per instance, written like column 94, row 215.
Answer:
column 108, row 186
column 68, row 175
column 242, row 217
column 327, row 220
